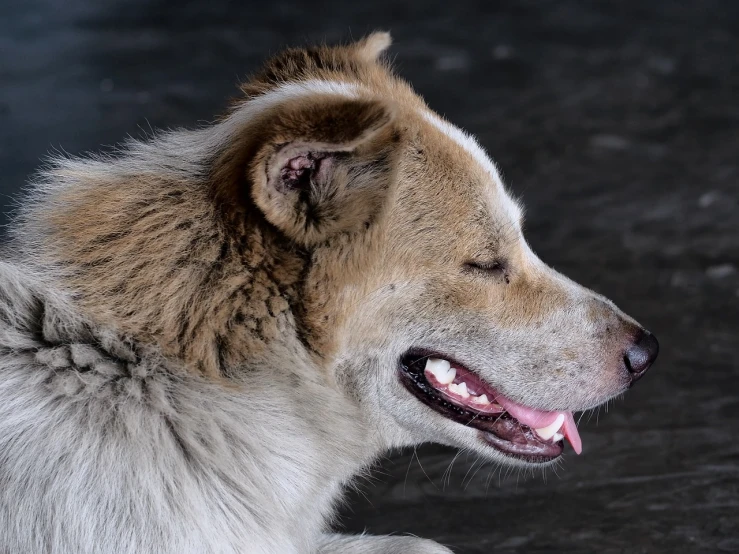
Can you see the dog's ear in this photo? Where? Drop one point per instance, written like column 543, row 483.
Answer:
column 319, row 165
column 371, row 47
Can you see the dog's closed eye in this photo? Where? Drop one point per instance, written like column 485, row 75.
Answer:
column 494, row 268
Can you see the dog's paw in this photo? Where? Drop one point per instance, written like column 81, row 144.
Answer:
column 421, row 546
column 365, row 544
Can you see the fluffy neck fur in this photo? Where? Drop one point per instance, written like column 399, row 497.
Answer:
column 145, row 249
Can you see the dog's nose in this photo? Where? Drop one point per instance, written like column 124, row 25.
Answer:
column 641, row 355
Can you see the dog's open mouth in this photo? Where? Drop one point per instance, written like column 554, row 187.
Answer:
column 514, row 429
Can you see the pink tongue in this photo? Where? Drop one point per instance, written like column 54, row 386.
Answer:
column 536, row 419
column 571, row 433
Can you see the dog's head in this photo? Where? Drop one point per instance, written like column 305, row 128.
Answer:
column 420, row 298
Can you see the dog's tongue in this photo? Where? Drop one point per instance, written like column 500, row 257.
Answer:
column 536, row 419
column 571, row 433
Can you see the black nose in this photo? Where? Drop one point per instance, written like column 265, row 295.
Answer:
column 641, row 354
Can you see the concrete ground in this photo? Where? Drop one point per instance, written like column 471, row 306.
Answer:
column 617, row 122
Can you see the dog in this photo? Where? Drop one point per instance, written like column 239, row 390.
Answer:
column 207, row 335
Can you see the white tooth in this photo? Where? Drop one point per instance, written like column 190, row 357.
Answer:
column 548, row 432
column 462, row 388
column 482, row 399
column 557, row 437
column 453, row 388
column 441, row 370
column 450, row 375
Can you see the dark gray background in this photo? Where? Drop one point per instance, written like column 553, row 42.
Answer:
column 616, row 121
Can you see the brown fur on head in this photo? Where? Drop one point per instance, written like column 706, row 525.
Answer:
column 331, row 213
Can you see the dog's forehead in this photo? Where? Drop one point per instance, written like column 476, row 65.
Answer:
column 485, row 177
column 449, row 175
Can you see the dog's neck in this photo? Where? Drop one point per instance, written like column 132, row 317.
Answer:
column 157, row 261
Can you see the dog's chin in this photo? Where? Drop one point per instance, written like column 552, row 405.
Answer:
column 504, row 431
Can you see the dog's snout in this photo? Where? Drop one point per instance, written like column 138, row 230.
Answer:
column 641, row 355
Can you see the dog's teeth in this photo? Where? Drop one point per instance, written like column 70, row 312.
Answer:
column 436, row 364
column 442, row 370
column 450, row 375
column 459, row 389
column 548, row 432
column 482, row 399
column 557, row 437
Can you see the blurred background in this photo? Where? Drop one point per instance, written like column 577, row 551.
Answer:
column 618, row 124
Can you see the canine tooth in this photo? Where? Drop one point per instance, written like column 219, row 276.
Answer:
column 482, row 399
column 462, row 390
column 442, row 370
column 548, row 432
column 557, row 437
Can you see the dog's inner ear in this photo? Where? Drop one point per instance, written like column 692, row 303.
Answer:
column 304, row 170
column 324, row 166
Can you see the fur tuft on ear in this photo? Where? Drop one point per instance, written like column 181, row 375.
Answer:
column 371, row 47
column 356, row 61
